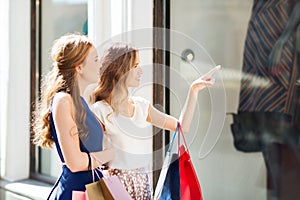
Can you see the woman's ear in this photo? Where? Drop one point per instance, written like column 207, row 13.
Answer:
column 78, row 68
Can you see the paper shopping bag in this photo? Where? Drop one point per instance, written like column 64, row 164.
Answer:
column 162, row 176
column 79, row 195
column 169, row 175
column 171, row 187
column 94, row 191
column 113, row 189
column 189, row 184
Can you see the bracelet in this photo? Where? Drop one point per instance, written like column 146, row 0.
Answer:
column 90, row 161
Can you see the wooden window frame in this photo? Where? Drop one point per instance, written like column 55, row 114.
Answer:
column 161, row 95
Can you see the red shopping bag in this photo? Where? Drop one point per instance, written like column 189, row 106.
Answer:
column 188, row 182
column 189, row 185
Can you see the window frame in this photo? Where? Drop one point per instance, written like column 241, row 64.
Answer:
column 161, row 95
column 36, row 69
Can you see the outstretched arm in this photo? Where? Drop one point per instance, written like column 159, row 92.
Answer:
column 187, row 112
column 276, row 53
column 168, row 122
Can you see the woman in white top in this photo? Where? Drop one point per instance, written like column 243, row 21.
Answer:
column 123, row 116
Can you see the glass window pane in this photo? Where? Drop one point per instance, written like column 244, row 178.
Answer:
column 214, row 33
column 256, row 43
column 58, row 18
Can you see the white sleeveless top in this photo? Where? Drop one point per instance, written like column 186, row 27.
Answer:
column 131, row 142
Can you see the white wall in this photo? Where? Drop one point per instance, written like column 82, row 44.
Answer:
column 15, row 88
column 4, row 62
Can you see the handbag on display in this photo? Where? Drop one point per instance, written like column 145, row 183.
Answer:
column 178, row 179
column 251, row 130
column 245, row 132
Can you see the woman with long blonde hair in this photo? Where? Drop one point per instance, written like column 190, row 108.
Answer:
column 62, row 117
column 121, row 114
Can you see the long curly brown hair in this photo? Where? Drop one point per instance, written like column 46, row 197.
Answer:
column 116, row 62
column 67, row 52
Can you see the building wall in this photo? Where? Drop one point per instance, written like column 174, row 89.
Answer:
column 15, row 88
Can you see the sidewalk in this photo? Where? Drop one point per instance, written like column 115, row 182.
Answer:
column 24, row 190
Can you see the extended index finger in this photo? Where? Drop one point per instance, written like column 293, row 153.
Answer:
column 212, row 71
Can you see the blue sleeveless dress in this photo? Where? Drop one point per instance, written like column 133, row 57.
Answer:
column 69, row 181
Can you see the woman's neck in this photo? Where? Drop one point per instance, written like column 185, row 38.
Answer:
column 82, row 87
column 126, row 108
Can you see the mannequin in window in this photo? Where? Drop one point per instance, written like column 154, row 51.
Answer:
column 268, row 88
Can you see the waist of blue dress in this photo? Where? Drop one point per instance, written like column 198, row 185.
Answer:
column 85, row 177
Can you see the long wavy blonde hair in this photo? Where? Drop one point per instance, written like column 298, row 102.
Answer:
column 67, row 52
column 116, row 62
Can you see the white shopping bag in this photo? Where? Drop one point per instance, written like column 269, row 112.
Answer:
column 162, row 176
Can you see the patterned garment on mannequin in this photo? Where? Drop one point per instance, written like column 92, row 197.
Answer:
column 260, row 90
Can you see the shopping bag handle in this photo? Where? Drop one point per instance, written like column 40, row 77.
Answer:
column 178, row 129
column 172, row 141
column 182, row 134
column 97, row 169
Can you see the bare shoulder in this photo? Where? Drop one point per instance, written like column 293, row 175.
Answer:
column 62, row 100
